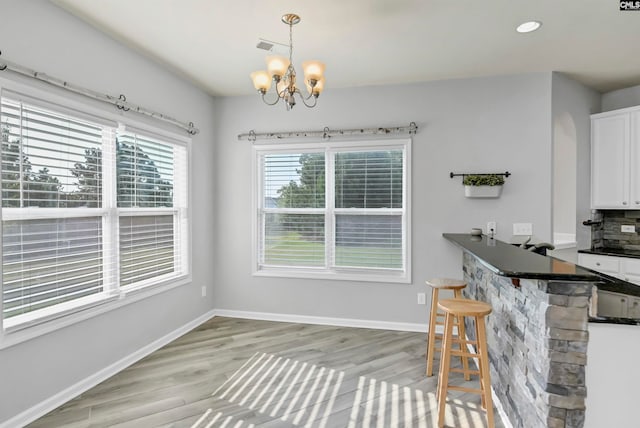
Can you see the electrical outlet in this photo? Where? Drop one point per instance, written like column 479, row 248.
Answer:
column 204, row 291
column 491, row 228
column 523, row 229
column 626, row 228
column 422, row 299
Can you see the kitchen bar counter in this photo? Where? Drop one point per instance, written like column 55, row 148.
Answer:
column 514, row 262
column 538, row 330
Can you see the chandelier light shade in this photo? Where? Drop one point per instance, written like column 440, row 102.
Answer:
column 313, row 70
column 277, row 66
column 261, row 80
column 280, row 71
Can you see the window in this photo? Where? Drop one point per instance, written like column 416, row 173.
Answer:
column 340, row 211
column 90, row 210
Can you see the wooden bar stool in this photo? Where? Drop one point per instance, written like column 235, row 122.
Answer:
column 436, row 285
column 458, row 309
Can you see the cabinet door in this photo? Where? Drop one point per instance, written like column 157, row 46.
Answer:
column 634, row 168
column 605, row 264
column 610, row 178
column 629, row 277
column 612, row 304
column 633, row 310
column 630, row 270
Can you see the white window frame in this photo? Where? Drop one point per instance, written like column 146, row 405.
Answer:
column 331, row 271
column 113, row 296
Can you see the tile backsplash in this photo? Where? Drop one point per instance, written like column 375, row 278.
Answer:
column 609, row 235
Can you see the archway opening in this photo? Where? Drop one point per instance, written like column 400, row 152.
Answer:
column 564, row 181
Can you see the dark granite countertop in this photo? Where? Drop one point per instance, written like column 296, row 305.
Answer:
column 611, row 283
column 612, row 320
column 511, row 261
column 616, row 285
column 618, row 252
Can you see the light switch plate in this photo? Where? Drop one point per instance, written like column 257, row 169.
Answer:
column 522, row 229
column 626, row 228
column 422, row 299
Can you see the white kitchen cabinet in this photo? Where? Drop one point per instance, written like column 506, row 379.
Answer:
column 615, row 159
column 633, row 310
column 625, row 268
column 630, row 270
column 631, row 278
column 612, row 304
column 634, row 159
column 604, row 264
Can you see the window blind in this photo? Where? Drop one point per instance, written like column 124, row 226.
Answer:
column 369, row 183
column 49, row 165
column 49, row 160
column 371, row 179
column 85, row 210
column 352, row 220
column 150, row 179
column 294, row 202
column 146, row 248
column 144, row 172
column 46, row 262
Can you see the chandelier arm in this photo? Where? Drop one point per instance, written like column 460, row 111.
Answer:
column 304, row 99
column 264, row 100
column 308, row 96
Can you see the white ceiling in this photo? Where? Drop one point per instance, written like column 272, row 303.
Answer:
column 373, row 42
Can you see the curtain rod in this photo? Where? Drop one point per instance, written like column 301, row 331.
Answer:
column 121, row 102
column 328, row 133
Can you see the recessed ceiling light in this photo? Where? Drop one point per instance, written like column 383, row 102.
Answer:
column 527, row 27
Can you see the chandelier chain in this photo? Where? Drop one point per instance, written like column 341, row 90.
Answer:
column 290, row 43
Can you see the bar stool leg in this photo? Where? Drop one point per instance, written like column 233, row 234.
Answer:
column 482, row 402
column 485, row 377
column 462, row 335
column 445, row 360
column 431, row 342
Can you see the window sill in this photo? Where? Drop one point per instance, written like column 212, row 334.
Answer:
column 30, row 328
column 340, row 275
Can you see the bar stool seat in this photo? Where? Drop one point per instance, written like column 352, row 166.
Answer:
column 437, row 284
column 455, row 310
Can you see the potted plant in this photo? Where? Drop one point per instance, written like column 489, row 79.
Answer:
column 483, row 185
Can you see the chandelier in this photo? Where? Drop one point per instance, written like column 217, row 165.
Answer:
column 281, row 72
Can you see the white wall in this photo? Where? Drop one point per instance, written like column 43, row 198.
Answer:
column 41, row 36
column 579, row 102
column 622, row 98
column 473, row 125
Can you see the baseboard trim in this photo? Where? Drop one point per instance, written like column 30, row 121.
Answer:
column 339, row 322
column 73, row 391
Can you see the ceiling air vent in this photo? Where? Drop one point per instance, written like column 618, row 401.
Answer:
column 264, row 45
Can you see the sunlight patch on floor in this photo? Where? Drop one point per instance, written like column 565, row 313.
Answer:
column 304, row 394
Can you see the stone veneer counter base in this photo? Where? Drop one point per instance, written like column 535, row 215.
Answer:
column 537, row 333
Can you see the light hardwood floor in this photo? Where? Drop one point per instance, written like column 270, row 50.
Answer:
column 236, row 373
